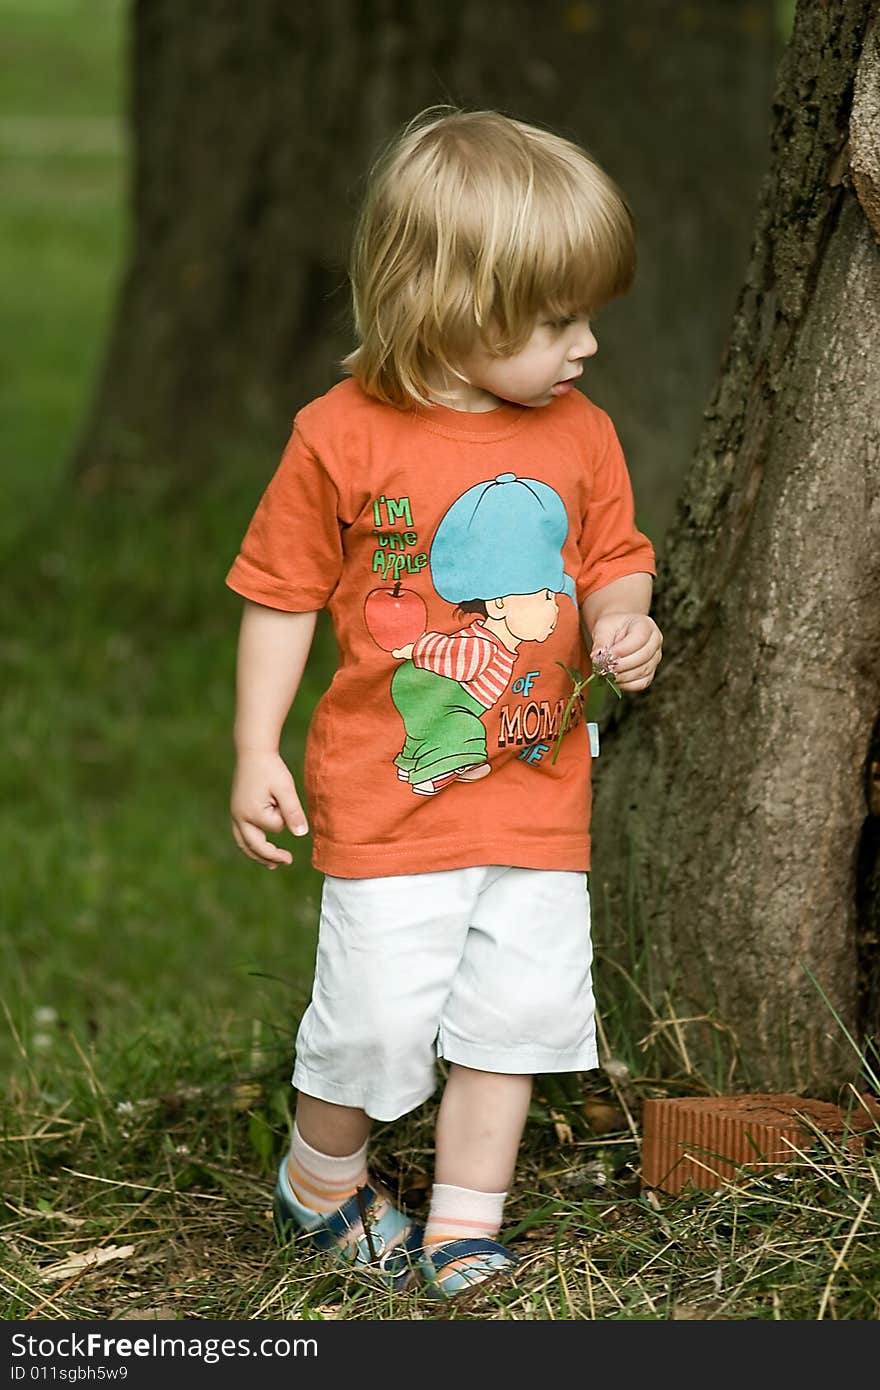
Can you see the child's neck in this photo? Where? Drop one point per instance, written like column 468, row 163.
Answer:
column 461, row 395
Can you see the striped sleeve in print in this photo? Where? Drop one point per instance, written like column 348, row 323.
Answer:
column 461, row 657
column 491, row 683
column 480, row 664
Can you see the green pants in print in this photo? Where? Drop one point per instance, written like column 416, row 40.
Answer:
column 442, row 721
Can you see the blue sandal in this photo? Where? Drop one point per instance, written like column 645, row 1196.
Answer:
column 455, row 1266
column 367, row 1232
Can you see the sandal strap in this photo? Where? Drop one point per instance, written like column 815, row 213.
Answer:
column 367, row 1231
column 440, row 1255
column 400, row 1261
column 336, row 1223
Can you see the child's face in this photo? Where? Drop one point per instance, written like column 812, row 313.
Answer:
column 545, row 367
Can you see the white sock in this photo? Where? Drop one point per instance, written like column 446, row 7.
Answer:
column 323, row 1182
column 460, row 1213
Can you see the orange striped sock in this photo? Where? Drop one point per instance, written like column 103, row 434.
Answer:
column 460, row 1213
column 323, row 1182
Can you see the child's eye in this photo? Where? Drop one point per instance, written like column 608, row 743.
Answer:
column 559, row 324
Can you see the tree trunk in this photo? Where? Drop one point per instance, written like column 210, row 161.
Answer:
column 252, row 126
column 737, row 783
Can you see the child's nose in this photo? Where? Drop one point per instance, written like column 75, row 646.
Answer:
column 585, row 344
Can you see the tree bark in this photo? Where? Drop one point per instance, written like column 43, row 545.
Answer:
column 737, row 784
column 252, row 126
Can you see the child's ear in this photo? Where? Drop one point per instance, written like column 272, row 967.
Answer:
column 495, row 607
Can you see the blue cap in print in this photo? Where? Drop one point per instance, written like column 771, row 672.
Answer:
column 504, row 536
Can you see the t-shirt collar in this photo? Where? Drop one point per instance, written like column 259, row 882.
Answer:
column 477, row 424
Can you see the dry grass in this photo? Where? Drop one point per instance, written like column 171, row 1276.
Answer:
column 172, row 1191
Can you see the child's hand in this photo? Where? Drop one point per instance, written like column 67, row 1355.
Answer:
column 404, row 653
column 264, row 797
column 630, row 646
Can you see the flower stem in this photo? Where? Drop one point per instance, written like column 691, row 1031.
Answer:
column 579, row 684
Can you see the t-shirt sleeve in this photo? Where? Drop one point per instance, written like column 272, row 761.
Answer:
column 611, row 546
column 291, row 554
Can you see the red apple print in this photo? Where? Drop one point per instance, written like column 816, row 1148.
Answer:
column 395, row 617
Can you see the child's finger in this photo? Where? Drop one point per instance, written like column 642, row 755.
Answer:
column 254, row 843
column 637, row 673
column 637, row 645
column 628, row 642
column 618, row 644
column 643, row 656
column 270, row 818
column 292, row 812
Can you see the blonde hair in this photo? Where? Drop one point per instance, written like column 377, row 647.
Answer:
column 473, row 224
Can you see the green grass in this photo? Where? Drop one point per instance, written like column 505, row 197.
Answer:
column 125, row 903
column 152, row 977
column 126, row 895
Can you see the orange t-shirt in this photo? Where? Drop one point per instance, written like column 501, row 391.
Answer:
column 450, row 549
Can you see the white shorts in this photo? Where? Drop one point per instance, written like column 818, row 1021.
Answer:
column 488, row 967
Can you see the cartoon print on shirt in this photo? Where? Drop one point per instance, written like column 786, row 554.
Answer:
column 496, row 554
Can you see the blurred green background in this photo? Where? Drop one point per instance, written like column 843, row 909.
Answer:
column 127, row 913
column 126, row 908
column 64, row 229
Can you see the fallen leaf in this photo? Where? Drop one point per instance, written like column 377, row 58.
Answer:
column 87, row 1259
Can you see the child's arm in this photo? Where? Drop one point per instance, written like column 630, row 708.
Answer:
column 616, row 617
column 272, row 650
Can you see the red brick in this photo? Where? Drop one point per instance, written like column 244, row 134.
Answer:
column 705, row 1140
